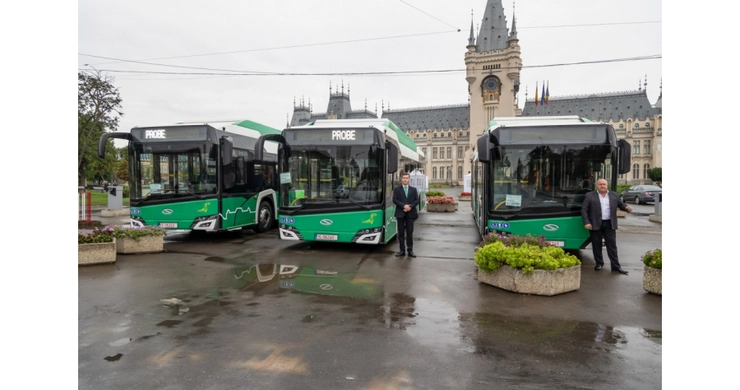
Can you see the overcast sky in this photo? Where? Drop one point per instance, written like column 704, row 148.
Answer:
column 163, row 38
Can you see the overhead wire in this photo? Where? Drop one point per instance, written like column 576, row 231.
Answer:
column 380, row 73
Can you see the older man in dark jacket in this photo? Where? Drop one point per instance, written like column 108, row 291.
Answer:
column 599, row 213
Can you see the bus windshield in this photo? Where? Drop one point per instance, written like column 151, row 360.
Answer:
column 332, row 175
column 164, row 174
column 545, row 179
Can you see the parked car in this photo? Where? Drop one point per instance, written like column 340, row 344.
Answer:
column 640, row 194
column 342, row 191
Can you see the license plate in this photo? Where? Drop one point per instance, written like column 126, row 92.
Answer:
column 168, row 224
column 327, row 237
column 556, row 243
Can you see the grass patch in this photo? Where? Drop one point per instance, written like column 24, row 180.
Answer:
column 98, row 198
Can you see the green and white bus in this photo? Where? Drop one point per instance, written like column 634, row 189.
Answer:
column 201, row 177
column 530, row 175
column 337, row 179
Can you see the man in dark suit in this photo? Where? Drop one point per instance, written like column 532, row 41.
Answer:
column 599, row 213
column 406, row 198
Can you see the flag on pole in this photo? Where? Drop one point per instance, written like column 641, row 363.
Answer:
column 547, row 94
column 536, row 93
column 543, row 94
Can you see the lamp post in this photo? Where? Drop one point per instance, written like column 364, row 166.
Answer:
column 449, row 175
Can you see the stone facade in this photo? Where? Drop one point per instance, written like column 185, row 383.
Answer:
column 652, row 280
column 99, row 253
column 540, row 282
column 147, row 244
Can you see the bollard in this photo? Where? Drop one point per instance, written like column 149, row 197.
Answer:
column 659, row 205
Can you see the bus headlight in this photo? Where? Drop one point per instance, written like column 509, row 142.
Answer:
column 204, row 223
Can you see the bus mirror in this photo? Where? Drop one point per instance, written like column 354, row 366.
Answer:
column 259, row 146
column 226, row 149
column 625, row 157
column 105, row 136
column 484, row 148
column 392, row 157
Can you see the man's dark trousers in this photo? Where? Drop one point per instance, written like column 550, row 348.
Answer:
column 406, row 233
column 610, row 237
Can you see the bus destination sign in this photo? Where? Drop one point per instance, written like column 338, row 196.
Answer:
column 338, row 135
column 189, row 133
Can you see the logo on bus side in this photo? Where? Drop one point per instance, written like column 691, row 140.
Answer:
column 286, row 220
column 551, row 227
column 499, row 225
column 326, row 222
column 167, row 211
column 343, row 135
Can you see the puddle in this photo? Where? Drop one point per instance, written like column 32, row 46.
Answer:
column 120, row 342
column 169, row 323
column 114, row 358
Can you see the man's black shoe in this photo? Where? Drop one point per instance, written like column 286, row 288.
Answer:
column 411, row 254
column 621, row 271
column 399, row 254
column 598, row 267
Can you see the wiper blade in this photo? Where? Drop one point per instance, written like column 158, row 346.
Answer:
column 366, row 207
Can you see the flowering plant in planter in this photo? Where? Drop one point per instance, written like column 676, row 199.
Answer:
column 136, row 233
column 465, row 193
column 434, row 193
column 96, row 237
column 526, row 253
column 653, row 259
column 440, row 200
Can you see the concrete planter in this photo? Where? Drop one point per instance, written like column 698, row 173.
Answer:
column 146, row 244
column 541, row 282
column 652, row 280
column 441, row 208
column 464, row 198
column 100, row 253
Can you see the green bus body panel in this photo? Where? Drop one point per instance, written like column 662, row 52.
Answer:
column 570, row 230
column 182, row 213
column 391, row 224
column 344, row 224
column 238, row 212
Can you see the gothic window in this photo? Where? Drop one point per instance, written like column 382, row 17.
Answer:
column 646, row 147
column 441, row 153
column 449, row 134
column 435, row 135
column 644, row 170
column 434, row 153
column 459, row 173
column 637, row 125
column 636, row 147
column 434, row 173
column 449, row 152
column 636, row 171
column 647, row 124
column 459, row 152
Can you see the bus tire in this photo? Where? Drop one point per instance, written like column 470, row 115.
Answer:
column 265, row 217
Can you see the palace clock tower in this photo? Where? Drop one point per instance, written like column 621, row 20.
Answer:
column 493, row 63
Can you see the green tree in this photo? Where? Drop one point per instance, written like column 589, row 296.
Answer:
column 656, row 175
column 122, row 170
column 98, row 111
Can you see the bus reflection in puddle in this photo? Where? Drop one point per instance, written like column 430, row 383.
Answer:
column 273, row 278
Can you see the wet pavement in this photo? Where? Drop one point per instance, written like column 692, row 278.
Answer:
column 247, row 310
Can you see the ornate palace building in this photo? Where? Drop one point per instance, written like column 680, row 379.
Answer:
column 447, row 134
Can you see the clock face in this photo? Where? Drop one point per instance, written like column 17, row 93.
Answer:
column 491, row 84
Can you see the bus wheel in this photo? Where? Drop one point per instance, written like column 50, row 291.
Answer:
column 264, row 217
